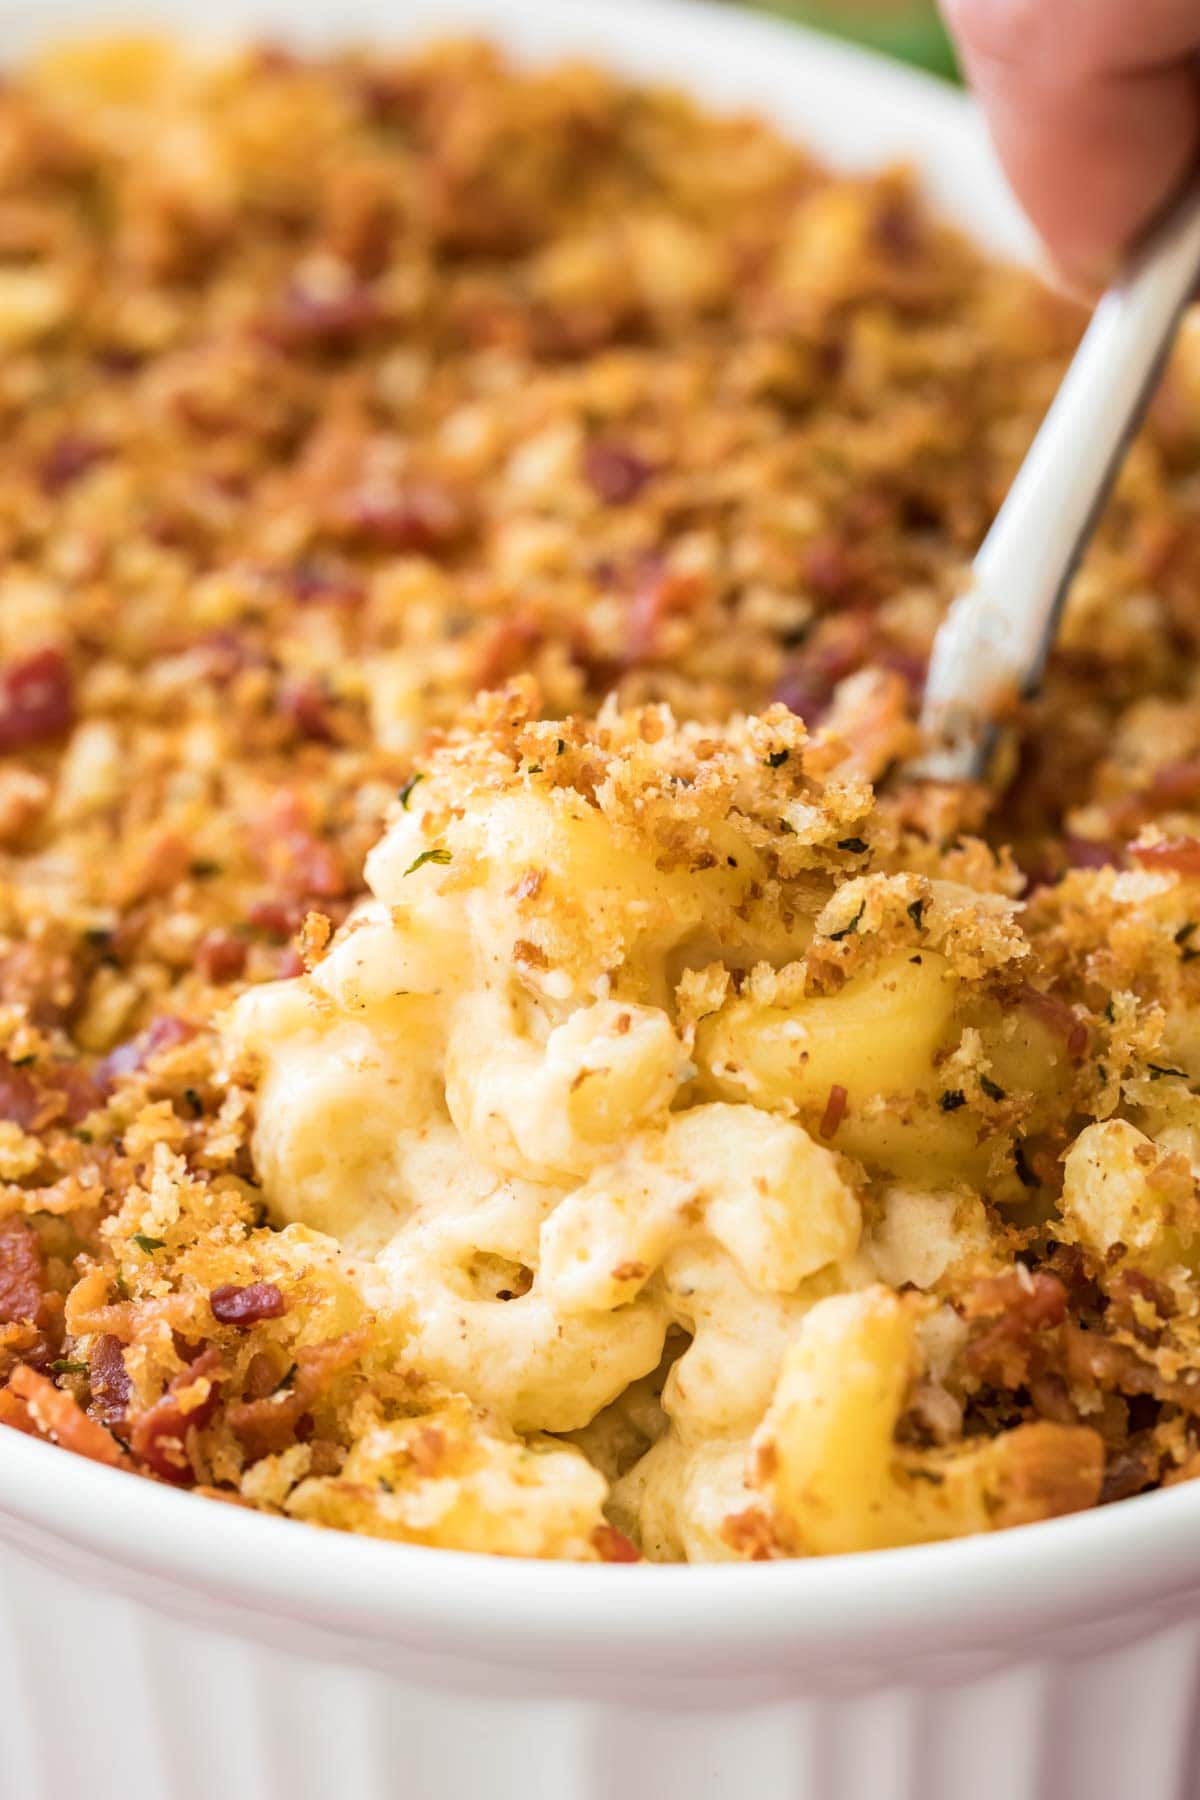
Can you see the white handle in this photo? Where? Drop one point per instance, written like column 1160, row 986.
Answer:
column 993, row 643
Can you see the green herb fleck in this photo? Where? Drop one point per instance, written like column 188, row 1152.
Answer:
column 406, row 790
column 952, row 1099
column 1185, row 931
column 193, row 1100
column 287, row 1381
column 24, row 1062
column 775, row 759
column 1025, row 1174
column 64, row 1366
column 1158, row 1070
column 788, row 830
column 148, row 1244
column 856, row 845
column 436, row 855
column 991, row 1088
column 202, row 868
column 916, row 912
column 534, row 769
column 835, row 937
column 562, row 745
column 1110, row 1013
column 385, row 1486
column 84, row 1137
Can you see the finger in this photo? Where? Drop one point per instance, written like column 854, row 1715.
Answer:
column 1095, row 110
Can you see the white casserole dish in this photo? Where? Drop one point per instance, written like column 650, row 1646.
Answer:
column 155, row 1646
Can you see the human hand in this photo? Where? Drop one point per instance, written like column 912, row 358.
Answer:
column 1094, row 106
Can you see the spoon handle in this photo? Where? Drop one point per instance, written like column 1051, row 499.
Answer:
column 993, row 643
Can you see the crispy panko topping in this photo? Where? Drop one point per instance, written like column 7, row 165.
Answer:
column 494, row 1054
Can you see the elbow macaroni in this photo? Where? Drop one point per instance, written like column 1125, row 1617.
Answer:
column 614, row 1083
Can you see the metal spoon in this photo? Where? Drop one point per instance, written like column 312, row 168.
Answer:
column 992, row 646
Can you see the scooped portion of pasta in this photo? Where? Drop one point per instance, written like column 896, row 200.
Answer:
column 691, row 1120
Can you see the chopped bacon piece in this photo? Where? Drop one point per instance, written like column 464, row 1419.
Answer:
column 507, row 649
column 109, row 1380
column 36, row 700
column 59, row 1417
column 306, row 705
column 20, row 1101
column 1021, row 1306
column 615, row 472
column 417, row 516
column 310, row 585
column 220, row 956
column 159, row 1435
column 835, row 1111
column 1180, row 856
column 304, row 320
column 246, row 1305
column 67, row 460
column 278, row 918
column 612, row 1546
column 22, row 1272
column 266, row 1426
column 164, row 1033
column 658, row 592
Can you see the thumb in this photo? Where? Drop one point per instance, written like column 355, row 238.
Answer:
column 1094, row 106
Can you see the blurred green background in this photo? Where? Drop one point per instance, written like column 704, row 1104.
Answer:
column 909, row 29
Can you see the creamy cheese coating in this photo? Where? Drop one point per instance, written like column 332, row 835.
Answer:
column 572, row 1089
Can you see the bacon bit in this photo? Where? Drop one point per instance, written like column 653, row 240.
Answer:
column 262, row 1376
column 15, row 1414
column 159, row 1434
column 1181, row 855
column 1175, row 784
column 22, row 1272
column 78, row 1088
column 312, row 586
column 302, row 865
column 278, row 918
column 827, row 568
column 220, row 956
column 67, row 460
column 750, row 1534
column 1087, row 853
column 612, row 1546
column 1051, row 1398
column 1125, row 1474
column 36, row 700
column 530, row 954
column 1021, row 1305
column 658, row 593
column 835, row 1111
column 306, row 706
column 288, row 963
column 1093, row 1360
column 1077, row 1041
column 267, row 1425
column 616, row 473
column 60, row 1418
column 303, row 320
column 837, row 648
column 20, row 1101
column 162, row 1034
column 507, row 649
column 246, row 1305
column 109, row 1380
column 424, row 517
